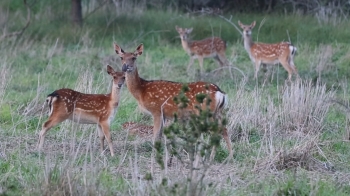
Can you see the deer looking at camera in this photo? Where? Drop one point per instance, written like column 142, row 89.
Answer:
column 282, row 52
column 211, row 47
column 156, row 96
column 83, row 108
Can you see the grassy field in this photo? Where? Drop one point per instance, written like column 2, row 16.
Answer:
column 288, row 139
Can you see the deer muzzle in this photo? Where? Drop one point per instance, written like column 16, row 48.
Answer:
column 119, row 85
column 127, row 68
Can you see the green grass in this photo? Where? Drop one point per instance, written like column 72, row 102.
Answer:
column 52, row 55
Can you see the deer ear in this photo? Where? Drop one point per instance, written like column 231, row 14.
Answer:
column 110, row 70
column 118, row 49
column 253, row 24
column 240, row 24
column 189, row 30
column 139, row 50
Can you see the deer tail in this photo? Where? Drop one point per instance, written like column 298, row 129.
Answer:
column 51, row 98
column 221, row 100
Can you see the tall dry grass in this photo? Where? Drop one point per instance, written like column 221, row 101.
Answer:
column 5, row 75
column 288, row 128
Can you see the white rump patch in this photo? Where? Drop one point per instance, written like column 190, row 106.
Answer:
column 292, row 49
column 220, row 98
column 50, row 101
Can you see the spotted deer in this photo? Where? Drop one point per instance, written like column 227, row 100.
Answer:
column 138, row 129
column 211, row 47
column 282, row 52
column 83, row 108
column 155, row 97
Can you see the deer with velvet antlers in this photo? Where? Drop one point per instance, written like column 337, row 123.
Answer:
column 156, row 97
column 211, row 47
column 282, row 52
column 83, row 108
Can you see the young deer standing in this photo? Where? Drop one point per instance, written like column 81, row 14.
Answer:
column 83, row 108
column 282, row 52
column 212, row 47
column 156, row 96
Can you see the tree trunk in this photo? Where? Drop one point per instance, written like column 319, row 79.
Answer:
column 76, row 12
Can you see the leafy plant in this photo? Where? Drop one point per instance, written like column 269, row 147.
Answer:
column 188, row 134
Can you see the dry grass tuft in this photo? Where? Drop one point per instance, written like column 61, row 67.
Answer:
column 304, row 107
column 301, row 155
column 5, row 75
column 246, row 113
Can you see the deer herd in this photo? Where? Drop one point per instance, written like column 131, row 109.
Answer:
column 156, row 97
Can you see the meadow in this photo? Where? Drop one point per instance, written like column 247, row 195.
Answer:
column 288, row 139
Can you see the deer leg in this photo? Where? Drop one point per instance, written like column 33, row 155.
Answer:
column 200, row 60
column 292, row 65
column 157, row 126
column 190, row 63
column 257, row 67
column 268, row 72
column 288, row 68
column 217, row 58
column 101, row 135
column 51, row 122
column 105, row 129
column 223, row 60
column 228, row 142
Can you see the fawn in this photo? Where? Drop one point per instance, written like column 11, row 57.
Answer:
column 155, row 97
column 282, row 52
column 138, row 129
column 211, row 47
column 83, row 108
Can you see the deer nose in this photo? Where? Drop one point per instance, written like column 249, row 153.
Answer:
column 124, row 68
column 120, row 85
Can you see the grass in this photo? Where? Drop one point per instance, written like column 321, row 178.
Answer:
column 288, row 140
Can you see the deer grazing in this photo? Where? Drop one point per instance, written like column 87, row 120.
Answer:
column 156, row 96
column 83, row 108
column 282, row 52
column 211, row 47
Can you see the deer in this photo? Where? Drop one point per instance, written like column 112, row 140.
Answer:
column 282, row 52
column 211, row 47
column 156, row 97
column 83, row 108
column 138, row 129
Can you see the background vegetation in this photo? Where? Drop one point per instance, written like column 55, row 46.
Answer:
column 287, row 139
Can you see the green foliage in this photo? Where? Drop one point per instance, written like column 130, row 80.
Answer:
column 186, row 133
column 5, row 113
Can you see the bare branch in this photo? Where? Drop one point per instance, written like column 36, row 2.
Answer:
column 20, row 32
column 229, row 21
column 94, row 10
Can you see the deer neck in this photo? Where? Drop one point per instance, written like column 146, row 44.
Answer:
column 115, row 95
column 248, row 43
column 134, row 82
column 186, row 45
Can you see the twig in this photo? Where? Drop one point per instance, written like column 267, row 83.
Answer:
column 345, row 106
column 261, row 24
column 230, row 67
column 97, row 8
column 233, row 24
column 20, row 32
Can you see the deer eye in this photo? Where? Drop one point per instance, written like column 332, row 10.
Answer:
column 121, row 58
column 133, row 58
